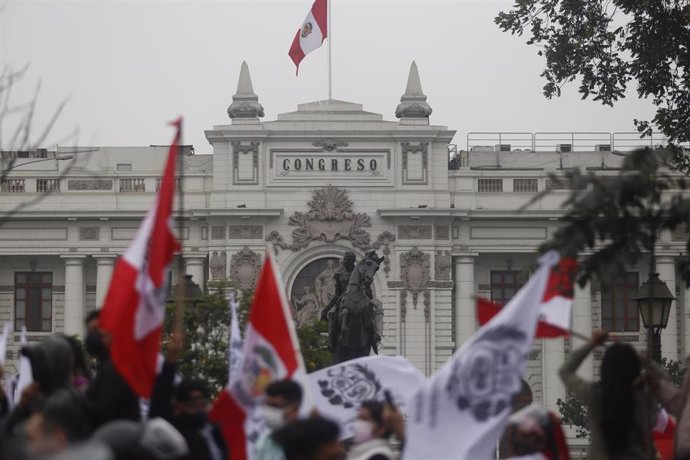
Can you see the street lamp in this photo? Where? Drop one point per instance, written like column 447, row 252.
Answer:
column 654, row 302
column 18, row 165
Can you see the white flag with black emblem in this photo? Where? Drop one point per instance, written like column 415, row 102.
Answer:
column 339, row 390
column 462, row 410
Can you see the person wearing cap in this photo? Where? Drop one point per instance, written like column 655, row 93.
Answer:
column 186, row 408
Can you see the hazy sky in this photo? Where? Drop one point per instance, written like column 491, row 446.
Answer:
column 128, row 67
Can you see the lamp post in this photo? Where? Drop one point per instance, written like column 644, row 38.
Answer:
column 654, row 302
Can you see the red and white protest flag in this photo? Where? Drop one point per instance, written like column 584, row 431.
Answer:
column 554, row 315
column 663, row 432
column 311, row 34
column 134, row 308
column 462, row 410
column 270, row 352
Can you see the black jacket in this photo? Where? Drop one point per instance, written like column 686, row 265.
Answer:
column 109, row 397
column 162, row 406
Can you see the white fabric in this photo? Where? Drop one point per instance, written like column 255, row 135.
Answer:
column 368, row 449
column 310, row 35
column 556, row 312
column 339, row 390
column 235, row 348
column 3, row 343
column 661, row 421
column 474, row 389
column 26, row 375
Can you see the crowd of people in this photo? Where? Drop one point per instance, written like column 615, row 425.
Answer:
column 70, row 413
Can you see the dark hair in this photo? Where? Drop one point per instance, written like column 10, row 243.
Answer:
column 65, row 409
column 619, row 369
column 375, row 409
column 80, row 364
column 183, row 392
column 95, row 314
column 286, row 389
column 303, row 438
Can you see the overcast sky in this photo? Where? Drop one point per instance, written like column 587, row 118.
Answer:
column 128, row 67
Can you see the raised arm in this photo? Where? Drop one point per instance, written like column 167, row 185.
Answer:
column 573, row 383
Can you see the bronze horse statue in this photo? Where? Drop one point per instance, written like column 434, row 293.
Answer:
column 353, row 324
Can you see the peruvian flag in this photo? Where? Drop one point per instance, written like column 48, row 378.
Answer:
column 663, row 433
column 554, row 317
column 311, row 34
column 270, row 352
column 134, row 307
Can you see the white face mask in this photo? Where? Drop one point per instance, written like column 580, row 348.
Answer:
column 274, row 417
column 362, row 431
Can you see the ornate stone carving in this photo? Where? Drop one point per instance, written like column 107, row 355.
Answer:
column 217, row 265
column 244, row 268
column 385, row 239
column 442, row 265
column 413, row 103
column 414, row 232
column 218, row 232
column 89, row 233
column 403, row 305
column 415, row 267
column 245, row 232
column 89, row 184
column 330, row 218
column 249, row 149
column 329, row 145
column 442, row 232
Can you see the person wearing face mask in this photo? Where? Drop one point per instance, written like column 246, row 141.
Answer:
column 281, row 408
column 108, row 395
column 375, row 423
column 186, row 408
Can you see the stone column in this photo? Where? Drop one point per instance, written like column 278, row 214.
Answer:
column 104, row 272
column 582, row 323
column 554, row 354
column 666, row 267
column 685, row 311
column 74, row 295
column 465, row 310
column 195, row 266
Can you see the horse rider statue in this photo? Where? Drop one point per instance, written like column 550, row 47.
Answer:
column 352, row 326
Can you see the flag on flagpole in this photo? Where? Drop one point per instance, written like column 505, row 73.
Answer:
column 311, row 34
column 555, row 308
column 270, row 352
column 134, row 307
column 474, row 389
column 235, row 345
column 26, row 373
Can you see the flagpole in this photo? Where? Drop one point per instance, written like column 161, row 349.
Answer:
column 178, row 328
column 330, row 38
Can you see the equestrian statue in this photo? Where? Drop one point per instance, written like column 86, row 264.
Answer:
column 352, row 325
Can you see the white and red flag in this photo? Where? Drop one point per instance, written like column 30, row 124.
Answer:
column 134, row 308
column 311, row 34
column 462, row 410
column 270, row 352
column 554, row 316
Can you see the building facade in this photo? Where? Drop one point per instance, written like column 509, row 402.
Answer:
column 309, row 186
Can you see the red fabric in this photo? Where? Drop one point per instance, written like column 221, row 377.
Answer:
column 269, row 316
column 561, row 280
column 664, row 441
column 296, row 52
column 320, row 12
column 230, row 418
column 136, row 359
column 486, row 309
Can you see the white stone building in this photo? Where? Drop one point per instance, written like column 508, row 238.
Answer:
column 310, row 185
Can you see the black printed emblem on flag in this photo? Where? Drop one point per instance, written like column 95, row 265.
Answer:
column 350, row 385
column 487, row 378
